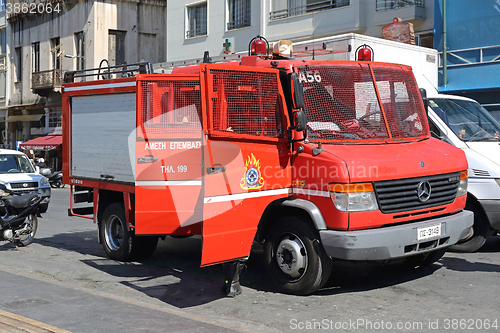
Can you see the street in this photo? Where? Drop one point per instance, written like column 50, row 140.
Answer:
column 64, row 279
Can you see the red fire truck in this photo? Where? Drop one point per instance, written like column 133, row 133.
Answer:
column 314, row 159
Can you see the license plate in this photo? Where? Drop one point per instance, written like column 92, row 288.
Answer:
column 429, row 232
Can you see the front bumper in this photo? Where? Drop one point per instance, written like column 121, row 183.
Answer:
column 395, row 242
column 46, row 192
column 492, row 210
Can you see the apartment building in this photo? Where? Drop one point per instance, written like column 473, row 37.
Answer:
column 73, row 34
column 226, row 26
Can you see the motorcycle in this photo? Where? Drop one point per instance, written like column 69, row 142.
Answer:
column 55, row 178
column 19, row 216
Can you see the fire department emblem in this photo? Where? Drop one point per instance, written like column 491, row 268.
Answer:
column 253, row 178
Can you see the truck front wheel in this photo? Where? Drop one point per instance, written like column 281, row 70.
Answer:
column 295, row 258
column 118, row 241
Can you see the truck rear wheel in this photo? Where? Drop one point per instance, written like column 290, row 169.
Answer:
column 118, row 241
column 480, row 231
column 295, row 258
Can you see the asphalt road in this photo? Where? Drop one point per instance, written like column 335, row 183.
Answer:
column 65, row 281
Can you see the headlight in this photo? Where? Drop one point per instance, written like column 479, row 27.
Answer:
column 462, row 186
column 44, row 182
column 358, row 197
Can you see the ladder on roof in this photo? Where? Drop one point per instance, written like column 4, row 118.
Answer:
column 301, row 50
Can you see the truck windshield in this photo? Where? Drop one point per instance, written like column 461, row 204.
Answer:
column 13, row 163
column 361, row 102
column 467, row 119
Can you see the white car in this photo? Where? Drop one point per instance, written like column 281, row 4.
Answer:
column 19, row 175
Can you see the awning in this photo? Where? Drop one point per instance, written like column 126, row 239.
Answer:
column 48, row 142
column 26, row 117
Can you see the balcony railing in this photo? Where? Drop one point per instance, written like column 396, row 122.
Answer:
column 394, row 4
column 47, row 79
column 238, row 24
column 196, row 32
column 312, row 7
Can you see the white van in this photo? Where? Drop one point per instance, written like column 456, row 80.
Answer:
column 19, row 175
column 465, row 124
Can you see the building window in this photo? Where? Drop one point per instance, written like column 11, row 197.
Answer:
column 55, row 118
column 239, row 14
column 80, row 50
column 116, row 47
column 394, row 4
column 197, row 20
column 425, row 40
column 35, row 57
column 19, row 63
column 286, row 8
column 55, row 49
column 3, row 41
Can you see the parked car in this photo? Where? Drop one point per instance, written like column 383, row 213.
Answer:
column 19, row 175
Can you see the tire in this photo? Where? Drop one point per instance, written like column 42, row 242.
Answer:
column 424, row 259
column 480, row 231
column 27, row 237
column 118, row 242
column 294, row 257
column 43, row 208
column 146, row 246
column 57, row 184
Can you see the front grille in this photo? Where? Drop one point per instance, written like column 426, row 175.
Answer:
column 400, row 195
column 24, row 185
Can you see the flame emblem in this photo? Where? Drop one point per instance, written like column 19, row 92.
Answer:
column 252, row 178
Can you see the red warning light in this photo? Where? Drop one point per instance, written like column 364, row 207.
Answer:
column 364, row 53
column 258, row 46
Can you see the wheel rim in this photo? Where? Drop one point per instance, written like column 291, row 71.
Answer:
column 28, row 229
column 114, row 232
column 291, row 256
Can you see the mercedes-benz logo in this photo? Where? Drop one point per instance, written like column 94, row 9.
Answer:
column 424, row 191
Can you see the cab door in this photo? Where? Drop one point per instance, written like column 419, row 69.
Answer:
column 168, row 155
column 247, row 164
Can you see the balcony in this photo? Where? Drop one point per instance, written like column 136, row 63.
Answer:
column 408, row 10
column 44, row 81
column 309, row 8
column 394, row 4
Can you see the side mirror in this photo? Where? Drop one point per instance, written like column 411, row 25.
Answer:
column 297, row 91
column 300, row 120
column 423, row 93
column 45, row 172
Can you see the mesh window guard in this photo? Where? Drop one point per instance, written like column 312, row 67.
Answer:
column 170, row 109
column 342, row 103
column 246, row 103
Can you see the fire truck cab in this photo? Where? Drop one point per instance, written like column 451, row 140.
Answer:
column 314, row 159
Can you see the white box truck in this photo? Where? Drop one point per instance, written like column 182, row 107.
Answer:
column 457, row 120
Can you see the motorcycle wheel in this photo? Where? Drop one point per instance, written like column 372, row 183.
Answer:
column 28, row 230
column 56, row 184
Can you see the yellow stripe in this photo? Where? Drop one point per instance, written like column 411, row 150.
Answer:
column 10, row 322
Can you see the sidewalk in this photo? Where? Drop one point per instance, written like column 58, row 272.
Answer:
column 77, row 311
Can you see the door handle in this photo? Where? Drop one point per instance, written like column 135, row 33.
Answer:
column 146, row 159
column 216, row 169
